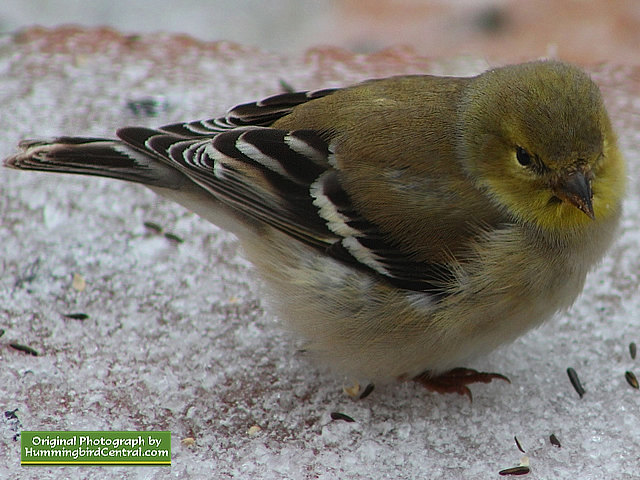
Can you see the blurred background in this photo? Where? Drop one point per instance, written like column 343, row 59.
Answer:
column 585, row 31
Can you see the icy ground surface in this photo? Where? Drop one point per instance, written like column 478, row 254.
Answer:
column 177, row 338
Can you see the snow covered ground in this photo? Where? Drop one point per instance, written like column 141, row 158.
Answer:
column 176, row 336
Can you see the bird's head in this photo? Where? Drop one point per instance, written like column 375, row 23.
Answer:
column 537, row 139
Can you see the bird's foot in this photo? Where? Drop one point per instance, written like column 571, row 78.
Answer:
column 456, row 380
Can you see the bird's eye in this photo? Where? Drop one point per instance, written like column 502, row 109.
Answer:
column 523, row 157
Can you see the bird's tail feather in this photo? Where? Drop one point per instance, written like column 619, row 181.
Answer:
column 94, row 156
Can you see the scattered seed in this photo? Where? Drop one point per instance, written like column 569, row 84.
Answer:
column 518, row 444
column 353, row 390
column 575, row 381
column 286, row 86
column 554, row 441
column 173, row 237
column 519, row 470
column 24, row 348
column 367, row 391
column 147, row 107
column 78, row 283
column 254, row 430
column 492, row 19
column 631, row 379
column 11, row 414
column 341, row 416
column 153, row 226
column 633, row 350
column 14, row 423
column 29, row 275
column 131, row 39
column 188, row 441
column 76, row 316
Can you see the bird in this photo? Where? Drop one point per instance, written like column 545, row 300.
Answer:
column 401, row 226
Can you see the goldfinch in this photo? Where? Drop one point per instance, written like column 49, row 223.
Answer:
column 403, row 225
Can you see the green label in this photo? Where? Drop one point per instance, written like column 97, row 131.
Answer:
column 95, row 448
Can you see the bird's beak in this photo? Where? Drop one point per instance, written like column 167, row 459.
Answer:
column 575, row 188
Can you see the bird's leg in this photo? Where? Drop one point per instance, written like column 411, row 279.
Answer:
column 456, row 380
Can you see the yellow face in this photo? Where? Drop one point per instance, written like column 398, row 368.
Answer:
column 533, row 192
column 537, row 139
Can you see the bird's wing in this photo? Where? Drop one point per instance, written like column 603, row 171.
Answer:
column 283, row 178
column 286, row 179
column 260, row 113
